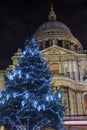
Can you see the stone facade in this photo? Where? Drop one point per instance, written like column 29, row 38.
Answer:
column 68, row 62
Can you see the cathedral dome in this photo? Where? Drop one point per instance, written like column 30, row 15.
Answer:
column 55, row 30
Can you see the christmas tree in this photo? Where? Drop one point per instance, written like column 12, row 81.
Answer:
column 28, row 100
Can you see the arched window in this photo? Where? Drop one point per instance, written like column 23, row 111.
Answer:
column 60, row 43
column 47, row 44
column 40, row 46
column 55, row 68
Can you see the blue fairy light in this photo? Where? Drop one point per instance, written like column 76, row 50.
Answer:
column 7, row 97
column 39, row 108
column 3, row 101
column 59, row 95
column 43, row 107
column 14, row 74
column 27, row 76
column 11, row 77
column 24, row 52
column 14, row 95
column 23, row 103
column 20, row 76
column 22, row 56
column 19, row 72
column 35, row 103
column 26, row 95
column 0, row 94
column 49, row 98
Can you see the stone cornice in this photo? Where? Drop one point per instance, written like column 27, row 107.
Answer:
column 67, row 82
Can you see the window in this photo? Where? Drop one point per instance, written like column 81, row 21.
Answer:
column 66, row 44
column 55, row 68
column 47, row 44
column 41, row 47
column 60, row 43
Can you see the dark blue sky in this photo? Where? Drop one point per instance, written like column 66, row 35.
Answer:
column 20, row 20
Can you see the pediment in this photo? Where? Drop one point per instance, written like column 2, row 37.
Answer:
column 57, row 50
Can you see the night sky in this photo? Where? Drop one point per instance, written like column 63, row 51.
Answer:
column 20, row 20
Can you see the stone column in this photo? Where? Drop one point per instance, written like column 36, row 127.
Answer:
column 81, row 75
column 76, row 73
column 68, row 68
column 71, row 69
column 62, row 67
column 72, row 102
column 79, row 103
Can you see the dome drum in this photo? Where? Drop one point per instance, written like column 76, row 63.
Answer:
column 54, row 30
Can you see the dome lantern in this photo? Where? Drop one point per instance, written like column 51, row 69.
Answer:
column 52, row 15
